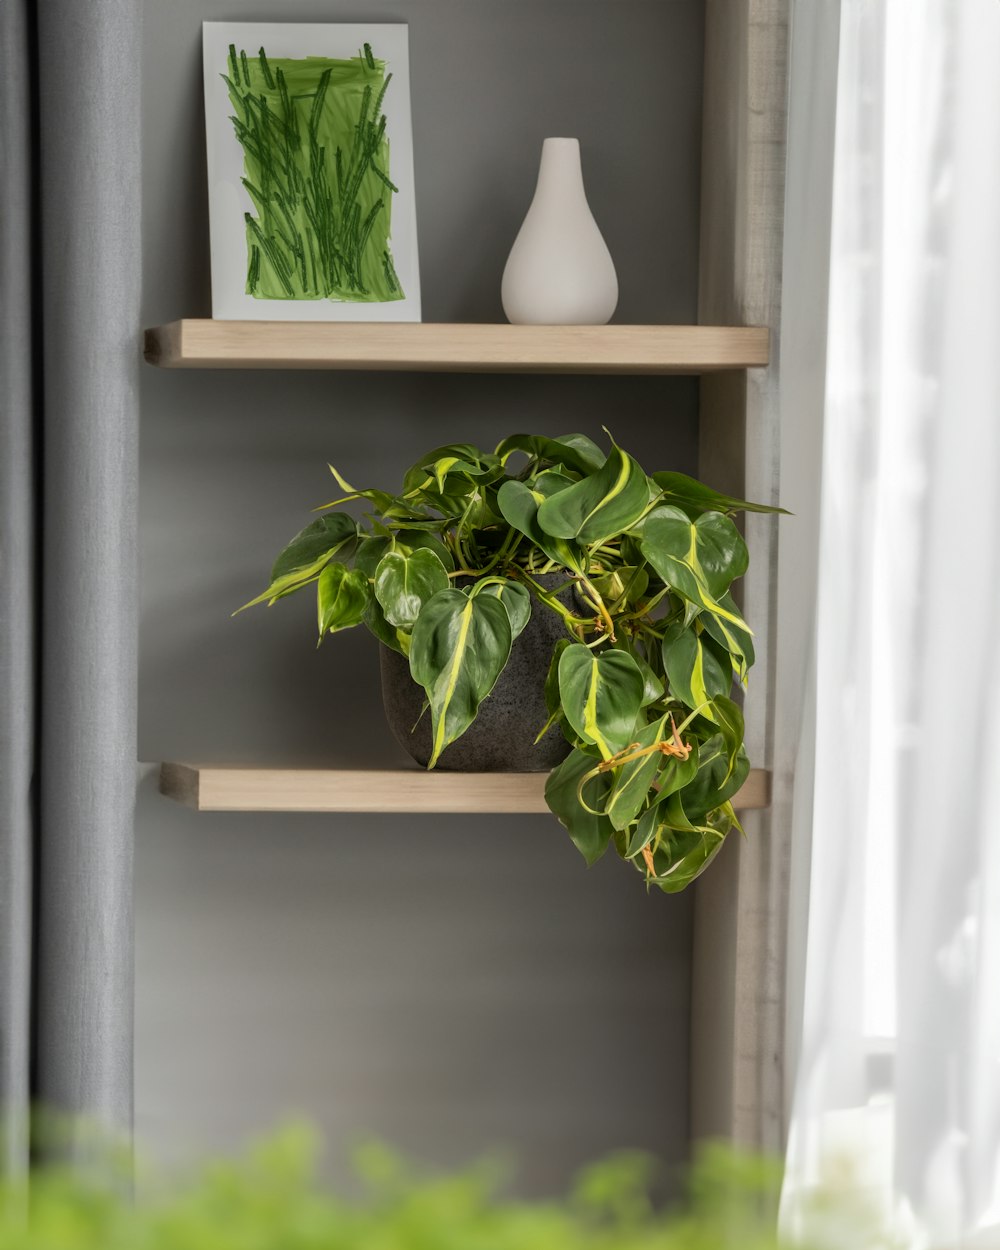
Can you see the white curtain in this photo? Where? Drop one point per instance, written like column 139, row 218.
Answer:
column 895, row 917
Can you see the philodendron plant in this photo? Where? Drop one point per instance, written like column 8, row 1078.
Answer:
column 447, row 573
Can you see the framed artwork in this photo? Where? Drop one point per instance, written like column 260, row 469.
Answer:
column 310, row 172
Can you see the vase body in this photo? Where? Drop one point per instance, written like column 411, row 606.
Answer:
column 559, row 271
column 502, row 737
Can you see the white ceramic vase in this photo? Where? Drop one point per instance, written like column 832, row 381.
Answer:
column 559, row 271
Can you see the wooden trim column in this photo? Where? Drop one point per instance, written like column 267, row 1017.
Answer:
column 741, row 905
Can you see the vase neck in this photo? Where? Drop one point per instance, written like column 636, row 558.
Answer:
column 560, row 172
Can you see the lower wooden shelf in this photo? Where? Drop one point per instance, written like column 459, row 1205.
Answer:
column 211, row 789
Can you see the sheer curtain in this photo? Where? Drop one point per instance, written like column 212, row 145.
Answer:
column 896, row 901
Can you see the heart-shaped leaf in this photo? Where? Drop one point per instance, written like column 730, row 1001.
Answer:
column 342, row 597
column 459, row 648
column 698, row 559
column 404, row 583
column 590, row 832
column 514, row 598
column 601, row 696
column 603, row 504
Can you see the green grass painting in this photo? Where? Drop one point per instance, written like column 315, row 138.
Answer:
column 316, row 167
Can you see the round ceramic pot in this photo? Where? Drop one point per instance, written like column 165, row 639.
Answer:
column 502, row 737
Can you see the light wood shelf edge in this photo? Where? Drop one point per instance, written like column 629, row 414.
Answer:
column 229, row 789
column 456, row 348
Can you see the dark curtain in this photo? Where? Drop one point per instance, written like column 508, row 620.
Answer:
column 69, row 334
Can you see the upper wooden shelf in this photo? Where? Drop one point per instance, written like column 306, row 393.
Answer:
column 423, row 347
column 401, row 790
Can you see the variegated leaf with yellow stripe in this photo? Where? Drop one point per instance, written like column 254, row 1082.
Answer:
column 601, row 696
column 600, row 505
column 699, row 560
column 694, row 670
column 459, row 648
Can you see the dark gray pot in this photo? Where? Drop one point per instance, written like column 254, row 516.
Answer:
column 501, row 738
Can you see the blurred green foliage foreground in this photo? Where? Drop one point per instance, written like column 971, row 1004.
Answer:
column 269, row 1200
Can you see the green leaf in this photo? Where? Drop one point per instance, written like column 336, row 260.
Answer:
column 652, row 687
column 404, row 583
column 590, row 833
column 552, row 677
column 622, row 585
column 459, row 648
column 421, row 539
column 676, row 774
column 550, row 483
column 455, row 460
column 601, row 696
column 305, row 556
column 633, row 780
column 382, row 500
column 695, row 497
column 324, row 536
column 735, row 639
column 579, row 457
column 584, row 447
column 692, row 667
column 709, row 550
column 686, row 849
column 514, row 598
column 729, row 718
column 698, row 560
column 601, row 505
column 643, row 833
column 716, row 780
column 342, row 597
column 370, row 551
column 519, row 506
column 552, row 704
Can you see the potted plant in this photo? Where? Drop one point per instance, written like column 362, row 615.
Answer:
column 547, row 605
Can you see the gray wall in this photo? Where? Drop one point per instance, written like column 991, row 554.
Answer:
column 449, row 984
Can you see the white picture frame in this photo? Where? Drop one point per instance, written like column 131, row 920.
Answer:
column 291, row 260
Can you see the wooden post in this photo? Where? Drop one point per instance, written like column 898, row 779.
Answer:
column 741, row 905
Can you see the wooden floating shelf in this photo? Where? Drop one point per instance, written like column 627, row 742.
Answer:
column 423, row 347
column 209, row 789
